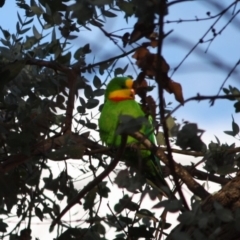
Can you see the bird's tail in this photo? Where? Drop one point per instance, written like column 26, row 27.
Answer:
column 155, row 177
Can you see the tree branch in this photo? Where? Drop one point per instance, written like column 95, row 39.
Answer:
column 182, row 173
column 93, row 183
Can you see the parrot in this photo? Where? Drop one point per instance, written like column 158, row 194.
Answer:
column 120, row 101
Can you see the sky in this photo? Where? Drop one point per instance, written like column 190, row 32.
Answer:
column 202, row 72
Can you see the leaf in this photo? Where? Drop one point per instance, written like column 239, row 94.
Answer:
column 127, row 7
column 37, row 10
column 176, row 89
column 148, row 62
column 10, row 71
column 74, row 152
column 170, row 122
column 120, row 71
column 19, row 18
column 36, row 34
column 129, row 124
column 97, row 82
column 139, row 232
column 187, row 218
column 5, row 33
column 28, row 22
column 2, row 3
column 141, row 29
column 99, row 228
column 160, row 139
column 39, row 213
column 86, row 49
column 144, row 213
column 57, row 19
column 225, row 215
column 3, row 226
column 88, row 92
column 89, row 199
column 103, row 190
column 23, row 31
column 235, row 127
column 54, row 35
column 92, row 103
column 108, row 14
column 100, row 2
column 98, row 92
column 231, row 133
column 171, row 206
column 237, row 106
column 188, row 137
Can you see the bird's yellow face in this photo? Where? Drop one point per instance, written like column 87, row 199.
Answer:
column 123, row 91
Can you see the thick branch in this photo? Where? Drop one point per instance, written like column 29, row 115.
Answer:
column 45, row 146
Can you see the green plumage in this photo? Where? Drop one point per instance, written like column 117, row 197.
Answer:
column 108, row 123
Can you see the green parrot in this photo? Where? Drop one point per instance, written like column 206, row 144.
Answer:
column 119, row 101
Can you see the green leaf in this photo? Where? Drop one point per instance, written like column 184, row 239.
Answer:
column 92, row 103
column 81, row 109
column 54, row 35
column 145, row 213
column 187, row 218
column 28, row 22
column 82, row 101
column 89, row 199
column 23, row 31
column 160, row 139
column 36, row 34
column 71, row 37
column 19, row 18
column 97, row 82
column 127, row 7
column 120, row 71
column 103, row 190
column 60, row 196
column 86, row 49
column 225, row 215
column 37, row 10
column 65, row 59
column 5, row 33
column 39, row 213
column 88, row 92
column 128, row 124
column 100, row 2
column 237, row 106
column 171, row 206
column 140, row 232
column 74, row 152
column 10, row 71
column 99, row 228
column 235, row 127
column 3, row 226
column 231, row 133
column 57, row 19
column 98, row 92
column 108, row 14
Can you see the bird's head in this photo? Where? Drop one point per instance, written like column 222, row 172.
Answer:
column 120, row 89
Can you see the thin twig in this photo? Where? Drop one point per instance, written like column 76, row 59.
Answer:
column 159, row 78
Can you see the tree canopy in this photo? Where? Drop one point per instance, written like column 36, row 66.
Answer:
column 54, row 69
